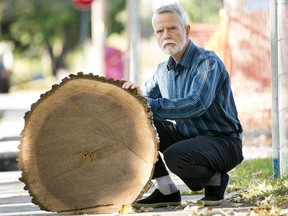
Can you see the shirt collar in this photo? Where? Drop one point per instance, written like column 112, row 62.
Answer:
column 185, row 59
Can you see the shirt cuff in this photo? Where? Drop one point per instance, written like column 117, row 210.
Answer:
column 153, row 103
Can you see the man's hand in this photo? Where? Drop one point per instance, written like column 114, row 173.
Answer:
column 130, row 85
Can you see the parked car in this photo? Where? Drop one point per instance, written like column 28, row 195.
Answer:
column 4, row 79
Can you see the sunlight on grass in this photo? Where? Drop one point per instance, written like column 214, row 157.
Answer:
column 252, row 182
column 252, row 170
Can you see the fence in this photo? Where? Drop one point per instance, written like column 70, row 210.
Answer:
column 249, row 41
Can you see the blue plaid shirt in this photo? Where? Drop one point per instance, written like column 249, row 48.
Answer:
column 195, row 93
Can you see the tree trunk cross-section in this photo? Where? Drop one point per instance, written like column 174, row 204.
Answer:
column 88, row 146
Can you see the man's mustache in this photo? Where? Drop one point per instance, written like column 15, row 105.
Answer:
column 168, row 42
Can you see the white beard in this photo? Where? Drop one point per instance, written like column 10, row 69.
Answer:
column 172, row 50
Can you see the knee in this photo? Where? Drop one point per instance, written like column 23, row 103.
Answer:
column 173, row 161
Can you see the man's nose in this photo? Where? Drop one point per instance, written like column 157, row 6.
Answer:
column 166, row 34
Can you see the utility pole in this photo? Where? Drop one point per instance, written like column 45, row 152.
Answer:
column 133, row 33
column 279, row 77
column 274, row 88
column 282, row 8
column 98, row 35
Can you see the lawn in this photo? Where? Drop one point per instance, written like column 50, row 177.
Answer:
column 252, row 182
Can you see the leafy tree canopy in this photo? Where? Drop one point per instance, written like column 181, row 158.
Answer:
column 202, row 11
column 34, row 25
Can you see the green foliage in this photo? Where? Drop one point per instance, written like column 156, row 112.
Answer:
column 38, row 22
column 250, row 170
column 36, row 26
column 253, row 180
column 202, row 11
column 115, row 16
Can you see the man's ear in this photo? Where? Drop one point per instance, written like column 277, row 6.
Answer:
column 187, row 29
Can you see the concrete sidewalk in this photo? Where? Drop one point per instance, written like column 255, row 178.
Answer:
column 15, row 201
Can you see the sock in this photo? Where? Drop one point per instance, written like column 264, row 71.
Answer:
column 166, row 185
column 215, row 180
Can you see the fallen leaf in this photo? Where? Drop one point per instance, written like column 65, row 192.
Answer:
column 126, row 209
column 200, row 203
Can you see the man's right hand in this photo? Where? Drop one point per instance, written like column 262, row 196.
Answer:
column 130, row 85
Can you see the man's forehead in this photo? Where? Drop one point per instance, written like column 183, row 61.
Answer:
column 166, row 14
column 166, row 19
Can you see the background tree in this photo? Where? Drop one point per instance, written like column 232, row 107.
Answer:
column 202, row 11
column 115, row 16
column 36, row 26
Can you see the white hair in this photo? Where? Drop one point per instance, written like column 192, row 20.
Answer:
column 173, row 8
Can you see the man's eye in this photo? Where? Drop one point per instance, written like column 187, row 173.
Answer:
column 172, row 28
column 159, row 31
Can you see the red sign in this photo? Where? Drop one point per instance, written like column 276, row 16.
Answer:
column 82, row 4
column 114, row 67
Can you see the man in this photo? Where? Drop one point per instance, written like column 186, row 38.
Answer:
column 194, row 113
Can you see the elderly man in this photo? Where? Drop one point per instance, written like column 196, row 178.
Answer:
column 194, row 113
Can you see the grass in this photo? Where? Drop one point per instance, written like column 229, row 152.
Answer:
column 252, row 182
column 252, row 170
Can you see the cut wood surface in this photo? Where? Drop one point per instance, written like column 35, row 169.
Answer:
column 88, row 146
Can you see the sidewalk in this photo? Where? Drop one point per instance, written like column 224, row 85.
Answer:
column 12, row 110
column 15, row 201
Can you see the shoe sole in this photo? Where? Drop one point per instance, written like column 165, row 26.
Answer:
column 211, row 202
column 215, row 202
column 156, row 205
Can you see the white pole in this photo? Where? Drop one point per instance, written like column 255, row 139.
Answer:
column 282, row 21
column 133, row 31
column 98, row 36
column 274, row 87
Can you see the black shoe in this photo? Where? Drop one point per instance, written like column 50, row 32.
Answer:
column 157, row 199
column 214, row 195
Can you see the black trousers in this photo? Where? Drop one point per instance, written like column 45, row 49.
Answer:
column 195, row 160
